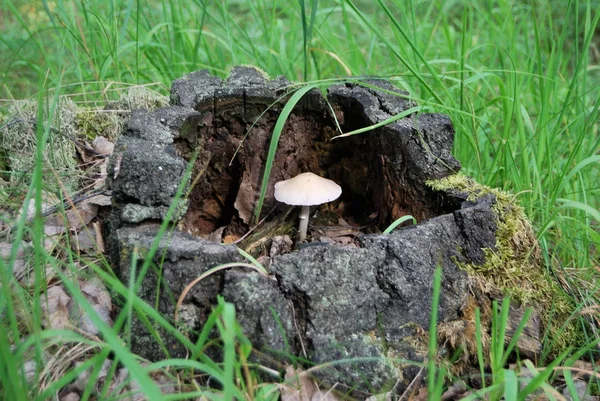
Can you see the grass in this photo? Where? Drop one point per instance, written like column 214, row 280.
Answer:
column 519, row 79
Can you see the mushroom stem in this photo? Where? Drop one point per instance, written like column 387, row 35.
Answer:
column 304, row 214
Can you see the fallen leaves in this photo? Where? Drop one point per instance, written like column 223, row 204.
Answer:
column 61, row 312
column 56, row 309
column 246, row 198
column 73, row 219
column 299, row 386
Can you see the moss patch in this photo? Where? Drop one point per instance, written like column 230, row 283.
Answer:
column 18, row 141
column 18, row 137
column 515, row 267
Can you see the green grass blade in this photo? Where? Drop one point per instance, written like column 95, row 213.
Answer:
column 399, row 221
column 539, row 378
column 479, row 342
column 434, row 374
column 511, row 385
column 405, row 113
column 277, row 131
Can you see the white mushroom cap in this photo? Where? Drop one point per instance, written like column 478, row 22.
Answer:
column 307, row 189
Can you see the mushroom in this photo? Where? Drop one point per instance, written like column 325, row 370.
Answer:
column 306, row 190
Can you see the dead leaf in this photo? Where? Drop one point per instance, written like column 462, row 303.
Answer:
column 264, row 260
column 231, row 239
column 335, row 232
column 101, row 200
column 99, row 298
column 298, row 386
column 216, row 235
column 70, row 397
column 122, row 384
column 244, row 202
column 55, row 308
column 79, row 384
column 280, row 244
column 325, row 396
column 102, row 145
column 29, row 368
column 212, row 209
column 455, row 392
column 380, row 397
column 6, row 249
column 48, row 200
column 76, row 218
column 84, row 241
column 422, row 395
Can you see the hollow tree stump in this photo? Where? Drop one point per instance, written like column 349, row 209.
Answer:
column 370, row 301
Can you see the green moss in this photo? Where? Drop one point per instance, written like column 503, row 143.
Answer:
column 18, row 142
column 515, row 266
column 138, row 97
column 260, row 70
column 93, row 123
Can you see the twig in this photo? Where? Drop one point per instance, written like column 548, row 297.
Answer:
column 243, row 237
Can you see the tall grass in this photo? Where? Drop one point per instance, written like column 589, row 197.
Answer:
column 520, row 80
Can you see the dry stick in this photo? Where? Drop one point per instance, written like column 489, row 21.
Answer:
column 255, row 227
column 298, row 331
column 208, row 273
column 410, row 384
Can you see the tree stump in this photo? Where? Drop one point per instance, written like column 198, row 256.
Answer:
column 367, row 302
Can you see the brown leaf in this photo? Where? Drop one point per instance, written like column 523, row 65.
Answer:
column 6, row 249
column 70, row 397
column 212, row 209
column 102, row 145
column 84, row 241
column 280, row 244
column 585, row 369
column 230, row 239
column 101, row 200
column 56, row 311
column 299, row 386
column 455, row 392
column 99, row 298
column 244, row 202
column 79, row 384
column 422, row 395
column 321, row 395
column 216, row 235
column 335, row 232
column 48, row 200
column 76, row 218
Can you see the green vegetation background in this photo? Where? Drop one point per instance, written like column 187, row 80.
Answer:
column 519, row 79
